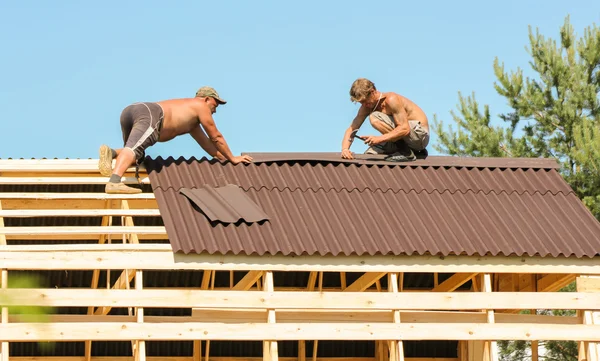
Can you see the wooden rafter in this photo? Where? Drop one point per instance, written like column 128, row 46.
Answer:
column 365, row 281
column 247, row 281
column 454, row 282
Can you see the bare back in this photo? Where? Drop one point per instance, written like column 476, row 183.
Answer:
column 180, row 116
column 413, row 111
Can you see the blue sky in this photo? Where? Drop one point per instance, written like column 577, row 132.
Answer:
column 68, row 68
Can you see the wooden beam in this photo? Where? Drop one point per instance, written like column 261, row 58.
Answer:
column 588, row 284
column 491, row 344
column 73, row 230
column 554, row 282
column 396, row 346
column 29, row 213
column 247, row 281
column 298, row 300
column 86, row 196
column 454, row 282
column 121, row 283
column 365, row 281
column 315, row 316
column 141, row 344
column 213, row 358
column 69, row 180
column 161, row 257
column 292, row 331
column 4, row 346
column 270, row 349
column 56, row 166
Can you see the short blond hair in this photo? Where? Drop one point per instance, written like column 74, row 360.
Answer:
column 361, row 89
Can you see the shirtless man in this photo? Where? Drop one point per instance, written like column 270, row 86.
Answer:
column 403, row 125
column 144, row 124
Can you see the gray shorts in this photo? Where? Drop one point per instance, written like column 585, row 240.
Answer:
column 417, row 139
column 140, row 125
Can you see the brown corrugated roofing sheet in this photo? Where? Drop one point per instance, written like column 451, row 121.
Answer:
column 227, row 204
column 327, row 207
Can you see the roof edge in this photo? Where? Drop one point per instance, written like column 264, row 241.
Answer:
column 431, row 161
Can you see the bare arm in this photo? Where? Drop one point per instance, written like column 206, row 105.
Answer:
column 396, row 106
column 217, row 139
column 356, row 124
column 201, row 138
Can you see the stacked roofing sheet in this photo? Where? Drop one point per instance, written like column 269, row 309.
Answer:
column 317, row 203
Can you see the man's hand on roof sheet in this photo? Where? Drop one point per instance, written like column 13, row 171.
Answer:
column 242, row 159
column 347, row 154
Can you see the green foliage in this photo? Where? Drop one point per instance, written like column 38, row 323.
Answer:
column 554, row 350
column 555, row 114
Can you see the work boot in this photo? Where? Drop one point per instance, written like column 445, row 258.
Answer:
column 403, row 153
column 120, row 188
column 105, row 161
column 421, row 154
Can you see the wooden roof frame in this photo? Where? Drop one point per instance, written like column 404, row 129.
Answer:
column 254, row 308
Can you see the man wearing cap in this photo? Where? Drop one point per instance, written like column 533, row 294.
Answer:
column 143, row 124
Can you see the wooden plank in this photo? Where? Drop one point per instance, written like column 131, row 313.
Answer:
column 365, row 281
column 554, row 282
column 454, row 282
column 588, row 284
column 55, row 165
column 396, row 346
column 69, row 180
column 292, row 331
column 66, row 297
column 247, row 281
column 46, row 204
column 93, row 230
column 4, row 346
column 141, row 344
column 492, row 344
column 29, row 213
column 218, row 358
column 161, row 257
column 2, row 236
column 86, row 196
column 270, row 349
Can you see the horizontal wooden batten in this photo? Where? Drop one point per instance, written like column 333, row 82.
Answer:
column 312, row 316
column 161, row 257
column 54, row 166
column 30, row 213
column 292, row 331
column 165, row 298
column 81, row 230
column 68, row 180
column 84, row 196
column 212, row 358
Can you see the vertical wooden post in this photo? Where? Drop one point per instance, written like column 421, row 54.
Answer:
column 534, row 344
column 270, row 352
column 5, row 346
column 141, row 344
column 396, row 347
column 4, row 284
column 589, row 351
column 492, row 345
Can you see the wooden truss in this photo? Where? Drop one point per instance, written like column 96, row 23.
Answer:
column 254, row 307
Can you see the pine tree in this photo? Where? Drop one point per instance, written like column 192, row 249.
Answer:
column 555, row 114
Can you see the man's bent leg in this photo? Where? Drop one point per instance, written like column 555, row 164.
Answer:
column 125, row 159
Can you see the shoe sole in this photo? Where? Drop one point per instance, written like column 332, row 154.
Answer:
column 105, row 161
